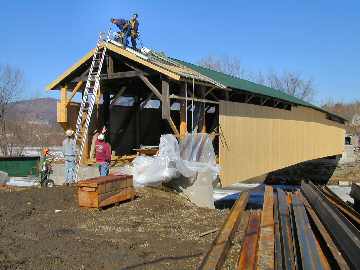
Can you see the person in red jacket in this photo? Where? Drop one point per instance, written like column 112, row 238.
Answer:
column 103, row 155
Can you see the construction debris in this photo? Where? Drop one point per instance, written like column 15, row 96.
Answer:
column 305, row 227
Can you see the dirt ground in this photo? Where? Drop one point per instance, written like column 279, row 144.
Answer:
column 158, row 230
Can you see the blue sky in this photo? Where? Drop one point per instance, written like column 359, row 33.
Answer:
column 317, row 38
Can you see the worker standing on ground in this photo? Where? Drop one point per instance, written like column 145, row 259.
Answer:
column 103, row 155
column 69, row 151
column 128, row 29
column 93, row 141
column 43, row 160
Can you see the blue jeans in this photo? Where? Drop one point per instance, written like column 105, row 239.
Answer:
column 104, row 168
column 126, row 37
column 69, row 171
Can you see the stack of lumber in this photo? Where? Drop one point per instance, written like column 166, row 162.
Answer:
column 103, row 191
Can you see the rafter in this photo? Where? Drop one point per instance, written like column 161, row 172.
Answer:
column 117, row 96
column 151, row 86
column 75, row 90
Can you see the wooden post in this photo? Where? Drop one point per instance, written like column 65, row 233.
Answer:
column 203, row 112
column 62, row 108
column 183, row 112
column 63, row 94
column 165, row 106
column 110, row 65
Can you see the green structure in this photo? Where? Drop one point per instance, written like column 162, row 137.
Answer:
column 20, row 166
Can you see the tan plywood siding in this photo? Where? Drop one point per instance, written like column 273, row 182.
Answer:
column 263, row 139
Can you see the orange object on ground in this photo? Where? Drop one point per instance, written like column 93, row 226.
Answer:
column 103, row 191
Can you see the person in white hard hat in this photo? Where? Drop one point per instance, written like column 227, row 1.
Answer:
column 96, row 133
column 103, row 155
column 69, row 151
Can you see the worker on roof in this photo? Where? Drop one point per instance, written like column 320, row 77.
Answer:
column 103, row 155
column 127, row 29
column 69, row 151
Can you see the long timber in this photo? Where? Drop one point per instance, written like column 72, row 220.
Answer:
column 215, row 257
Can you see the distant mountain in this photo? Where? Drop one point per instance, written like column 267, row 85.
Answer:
column 37, row 111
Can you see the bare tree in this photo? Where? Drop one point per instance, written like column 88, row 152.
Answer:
column 289, row 82
column 11, row 86
column 348, row 110
column 228, row 65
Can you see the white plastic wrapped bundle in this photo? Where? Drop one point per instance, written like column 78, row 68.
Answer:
column 151, row 171
column 197, row 155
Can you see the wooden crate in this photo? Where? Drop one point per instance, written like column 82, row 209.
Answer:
column 102, row 191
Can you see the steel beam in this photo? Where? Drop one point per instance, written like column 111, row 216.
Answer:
column 326, row 238
column 247, row 259
column 310, row 257
column 285, row 228
column 345, row 235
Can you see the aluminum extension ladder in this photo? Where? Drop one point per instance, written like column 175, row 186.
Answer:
column 89, row 98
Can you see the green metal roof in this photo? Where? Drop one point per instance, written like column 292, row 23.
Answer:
column 245, row 85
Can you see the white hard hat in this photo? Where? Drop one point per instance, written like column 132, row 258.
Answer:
column 101, row 137
column 69, row 132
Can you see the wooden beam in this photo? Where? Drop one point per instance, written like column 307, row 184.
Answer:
column 215, row 257
column 173, row 127
column 143, row 103
column 203, row 111
column 247, row 258
column 208, row 91
column 122, row 75
column 276, row 103
column 118, row 95
column 151, row 86
column 183, row 111
column 61, row 109
column 75, row 90
column 63, row 94
column 165, row 104
column 264, row 101
column 110, row 65
column 249, row 98
column 266, row 252
column 82, row 77
column 195, row 99
column 208, row 84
